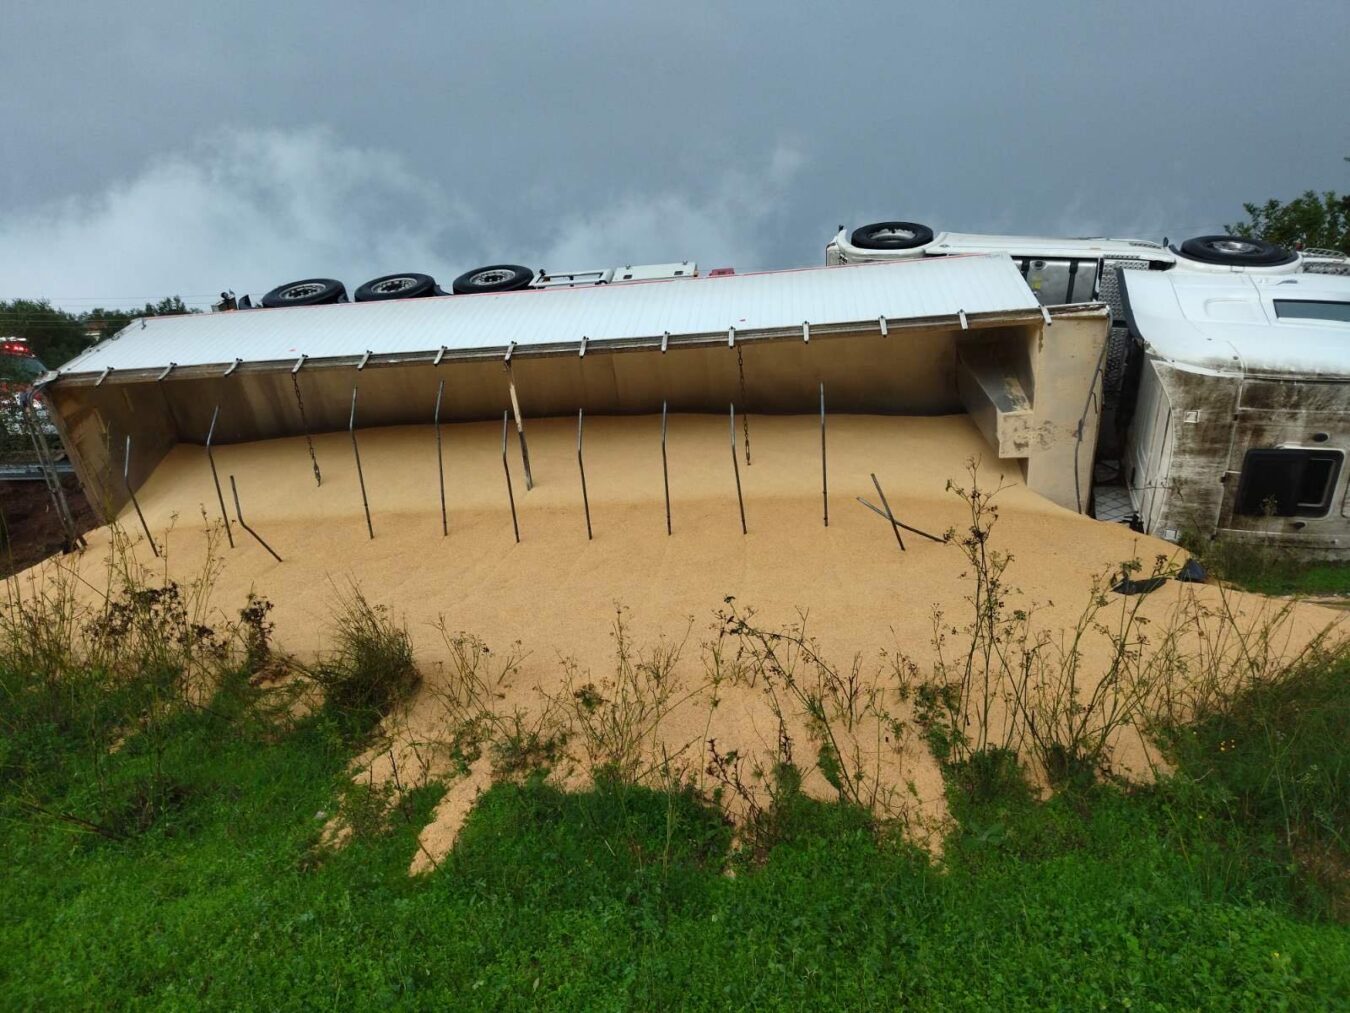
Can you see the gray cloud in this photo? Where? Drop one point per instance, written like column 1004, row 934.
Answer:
column 248, row 209
column 161, row 146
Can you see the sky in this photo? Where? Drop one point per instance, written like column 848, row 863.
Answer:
column 180, row 148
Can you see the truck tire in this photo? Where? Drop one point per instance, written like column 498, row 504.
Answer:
column 493, row 278
column 1236, row 251
column 397, row 286
column 309, row 292
column 891, row 236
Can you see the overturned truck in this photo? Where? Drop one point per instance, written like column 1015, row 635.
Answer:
column 935, row 337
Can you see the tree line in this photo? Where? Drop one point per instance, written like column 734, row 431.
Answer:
column 56, row 335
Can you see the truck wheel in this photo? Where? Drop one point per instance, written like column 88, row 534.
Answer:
column 493, row 278
column 1236, row 251
column 892, row 236
column 396, row 286
column 310, row 292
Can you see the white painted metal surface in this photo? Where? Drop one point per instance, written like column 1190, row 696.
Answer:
column 841, row 251
column 936, row 288
column 1227, row 323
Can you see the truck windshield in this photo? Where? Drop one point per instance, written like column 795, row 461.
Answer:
column 1312, row 309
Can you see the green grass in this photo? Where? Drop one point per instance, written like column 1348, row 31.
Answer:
column 1308, row 579
column 1174, row 897
column 1268, row 570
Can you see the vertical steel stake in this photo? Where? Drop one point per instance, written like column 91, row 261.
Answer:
column 239, row 516
column 126, row 481
column 665, row 468
column 581, row 466
column 824, row 474
column 510, row 495
column 360, row 475
column 735, row 464
column 216, row 478
column 895, row 525
column 440, row 461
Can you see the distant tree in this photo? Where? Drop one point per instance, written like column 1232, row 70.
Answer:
column 1315, row 220
column 167, row 307
column 57, row 336
column 53, row 334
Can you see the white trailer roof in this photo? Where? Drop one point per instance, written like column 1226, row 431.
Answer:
column 822, row 297
column 1243, row 323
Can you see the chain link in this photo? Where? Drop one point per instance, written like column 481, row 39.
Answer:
column 299, row 402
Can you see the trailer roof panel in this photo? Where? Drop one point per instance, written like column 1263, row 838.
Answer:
column 914, row 290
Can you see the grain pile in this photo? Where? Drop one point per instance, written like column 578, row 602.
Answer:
column 556, row 592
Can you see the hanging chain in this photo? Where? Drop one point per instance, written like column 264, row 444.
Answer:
column 295, row 382
column 745, row 407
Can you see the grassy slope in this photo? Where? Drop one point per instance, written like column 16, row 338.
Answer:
column 618, row 898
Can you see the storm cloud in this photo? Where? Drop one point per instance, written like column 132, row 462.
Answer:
column 156, row 148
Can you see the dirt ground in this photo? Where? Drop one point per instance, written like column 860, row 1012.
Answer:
column 29, row 528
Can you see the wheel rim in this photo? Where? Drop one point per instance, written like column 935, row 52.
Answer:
column 392, row 286
column 1234, row 247
column 492, row 276
column 304, row 290
column 894, row 235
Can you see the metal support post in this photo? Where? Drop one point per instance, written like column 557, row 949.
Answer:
column 210, row 435
column 506, row 467
column 239, row 516
column 581, row 466
column 440, row 460
column 520, row 430
column 736, row 466
column 895, row 526
column 126, row 481
column 824, row 475
column 360, row 475
column 665, row 468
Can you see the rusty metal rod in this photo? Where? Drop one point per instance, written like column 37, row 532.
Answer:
column 882, row 513
column 895, row 525
column 239, row 516
column 211, row 459
column 440, row 460
column 360, row 475
column 581, row 466
column 665, row 468
column 737, row 468
column 126, row 481
column 510, row 495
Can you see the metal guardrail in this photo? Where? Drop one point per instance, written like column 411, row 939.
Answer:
column 32, row 472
